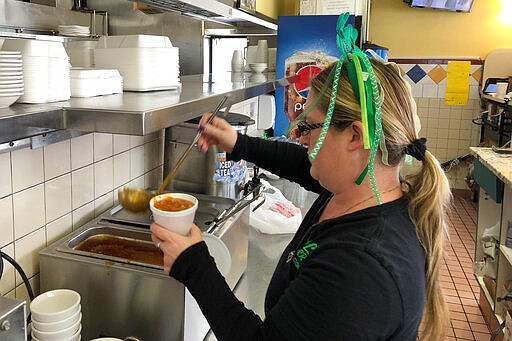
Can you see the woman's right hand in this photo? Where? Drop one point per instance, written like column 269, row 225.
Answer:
column 218, row 132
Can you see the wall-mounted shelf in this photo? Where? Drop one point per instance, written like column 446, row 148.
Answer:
column 134, row 113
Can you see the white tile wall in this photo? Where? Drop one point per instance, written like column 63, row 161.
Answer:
column 26, row 168
column 448, row 129
column 57, row 159
column 46, row 193
column 82, row 151
column 6, row 217
column 5, row 170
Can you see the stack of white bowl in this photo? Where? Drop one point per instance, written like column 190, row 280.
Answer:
column 56, row 316
column 11, row 77
column 45, row 70
column 146, row 62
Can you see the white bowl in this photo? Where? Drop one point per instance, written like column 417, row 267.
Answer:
column 178, row 221
column 59, row 333
column 58, row 325
column 55, row 305
column 75, row 337
column 258, row 67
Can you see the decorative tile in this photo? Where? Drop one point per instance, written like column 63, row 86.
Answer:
column 437, row 74
column 477, row 74
column 416, row 73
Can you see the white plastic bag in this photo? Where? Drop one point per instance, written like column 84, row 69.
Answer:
column 277, row 215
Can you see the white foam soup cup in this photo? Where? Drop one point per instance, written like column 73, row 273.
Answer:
column 55, row 305
column 58, row 325
column 176, row 221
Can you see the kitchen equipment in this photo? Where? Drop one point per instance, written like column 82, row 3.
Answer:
column 262, row 52
column 12, row 319
column 137, row 199
column 197, row 173
column 122, row 297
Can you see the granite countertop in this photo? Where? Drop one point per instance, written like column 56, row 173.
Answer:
column 499, row 164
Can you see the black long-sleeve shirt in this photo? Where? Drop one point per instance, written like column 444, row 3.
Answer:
column 356, row 277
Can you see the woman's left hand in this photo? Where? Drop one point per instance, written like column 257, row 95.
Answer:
column 173, row 244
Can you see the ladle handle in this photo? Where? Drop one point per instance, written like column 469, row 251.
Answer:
column 182, row 158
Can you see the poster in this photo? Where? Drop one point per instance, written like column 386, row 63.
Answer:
column 305, row 45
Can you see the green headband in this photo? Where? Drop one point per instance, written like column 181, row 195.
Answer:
column 365, row 87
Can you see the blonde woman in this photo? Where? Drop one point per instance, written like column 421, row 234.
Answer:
column 356, row 269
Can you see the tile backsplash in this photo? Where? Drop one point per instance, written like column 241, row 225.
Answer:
column 48, row 192
column 449, row 129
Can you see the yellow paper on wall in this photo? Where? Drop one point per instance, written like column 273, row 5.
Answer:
column 457, row 83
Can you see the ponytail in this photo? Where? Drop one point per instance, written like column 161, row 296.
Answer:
column 429, row 197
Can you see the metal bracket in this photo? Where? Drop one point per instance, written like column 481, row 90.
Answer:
column 39, row 141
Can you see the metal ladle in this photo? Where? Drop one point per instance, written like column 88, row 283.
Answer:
column 137, row 199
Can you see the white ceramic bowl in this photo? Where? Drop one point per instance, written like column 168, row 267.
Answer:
column 258, row 67
column 75, row 337
column 58, row 334
column 58, row 325
column 55, row 305
column 179, row 221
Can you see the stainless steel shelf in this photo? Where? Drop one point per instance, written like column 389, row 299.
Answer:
column 135, row 113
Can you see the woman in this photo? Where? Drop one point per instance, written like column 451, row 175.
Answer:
column 355, row 270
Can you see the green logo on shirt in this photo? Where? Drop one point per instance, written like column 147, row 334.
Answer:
column 300, row 256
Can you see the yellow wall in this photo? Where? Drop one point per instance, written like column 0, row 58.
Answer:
column 274, row 8
column 426, row 32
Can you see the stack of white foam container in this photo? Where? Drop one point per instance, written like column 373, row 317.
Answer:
column 45, row 70
column 145, row 62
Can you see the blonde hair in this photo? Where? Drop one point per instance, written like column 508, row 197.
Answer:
column 428, row 190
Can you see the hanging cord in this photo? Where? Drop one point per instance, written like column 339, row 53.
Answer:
column 22, row 274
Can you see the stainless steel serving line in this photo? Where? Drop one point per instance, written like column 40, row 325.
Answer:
column 134, row 113
column 125, row 297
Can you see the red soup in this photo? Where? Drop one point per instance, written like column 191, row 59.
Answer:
column 171, row 204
